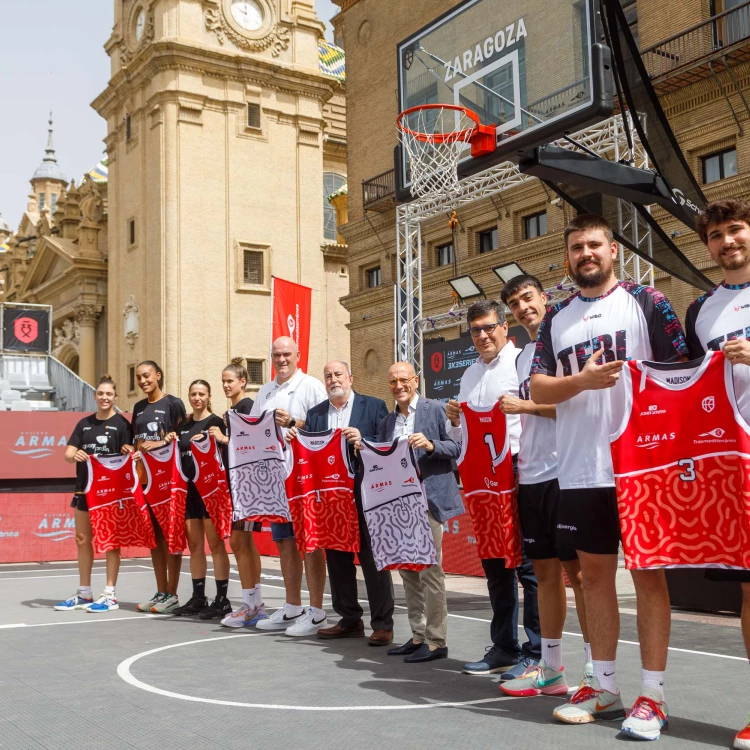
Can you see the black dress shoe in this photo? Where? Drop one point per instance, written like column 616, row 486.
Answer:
column 408, row 648
column 424, row 654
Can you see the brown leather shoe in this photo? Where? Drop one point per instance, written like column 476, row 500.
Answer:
column 343, row 631
column 381, row 638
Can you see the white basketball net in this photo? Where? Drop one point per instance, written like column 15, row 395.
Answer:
column 435, row 140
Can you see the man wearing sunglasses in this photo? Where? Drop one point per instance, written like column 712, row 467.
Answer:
column 491, row 378
column 422, row 420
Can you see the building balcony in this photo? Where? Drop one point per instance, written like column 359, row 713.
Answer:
column 709, row 47
column 379, row 192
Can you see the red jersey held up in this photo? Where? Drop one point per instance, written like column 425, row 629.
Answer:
column 320, row 489
column 681, row 456
column 486, row 469
column 117, row 508
column 211, row 482
column 166, row 493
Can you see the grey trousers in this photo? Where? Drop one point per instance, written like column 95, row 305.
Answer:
column 425, row 596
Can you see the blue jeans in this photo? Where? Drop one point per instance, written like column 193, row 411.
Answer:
column 503, row 590
column 281, row 531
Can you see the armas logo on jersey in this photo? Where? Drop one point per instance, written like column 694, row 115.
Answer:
column 380, row 486
column 614, row 349
column 653, row 440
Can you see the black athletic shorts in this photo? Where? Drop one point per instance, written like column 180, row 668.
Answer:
column 538, row 506
column 194, row 506
column 79, row 502
column 738, row 576
column 588, row 520
column 247, row 526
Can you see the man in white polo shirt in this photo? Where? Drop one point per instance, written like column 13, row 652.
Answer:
column 292, row 393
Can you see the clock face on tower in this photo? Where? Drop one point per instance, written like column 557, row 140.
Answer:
column 139, row 26
column 248, row 14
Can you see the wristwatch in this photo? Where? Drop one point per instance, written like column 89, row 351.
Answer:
column 292, row 422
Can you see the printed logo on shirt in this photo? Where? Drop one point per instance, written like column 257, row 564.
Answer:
column 586, row 318
column 268, row 433
column 332, row 478
column 271, row 448
column 489, row 483
column 410, row 480
column 152, row 426
column 380, row 486
column 375, row 467
column 86, row 428
column 404, row 463
column 102, row 439
column 677, row 379
column 301, row 461
column 485, row 419
column 268, row 395
column 708, row 404
column 317, row 442
column 332, row 460
column 714, row 436
column 717, row 433
column 614, row 349
column 737, row 308
column 159, row 411
column 242, row 433
column 653, row 410
column 652, row 440
column 715, row 344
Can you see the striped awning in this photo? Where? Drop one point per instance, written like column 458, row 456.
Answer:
column 100, row 172
column 332, row 60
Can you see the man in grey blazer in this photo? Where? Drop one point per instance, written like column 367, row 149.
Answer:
column 423, row 421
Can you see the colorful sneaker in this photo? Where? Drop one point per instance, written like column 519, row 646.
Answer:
column 538, row 679
column 104, row 604
column 742, row 740
column 166, row 605
column 590, row 703
column 260, row 614
column 75, row 602
column 648, row 717
column 281, row 619
column 518, row 669
column 153, row 601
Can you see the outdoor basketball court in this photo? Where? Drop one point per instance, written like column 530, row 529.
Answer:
column 124, row 680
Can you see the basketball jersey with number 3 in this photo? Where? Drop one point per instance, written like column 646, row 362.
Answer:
column 486, row 469
column 681, row 457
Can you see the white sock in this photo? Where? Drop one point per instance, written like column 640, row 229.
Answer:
column 653, row 681
column 605, row 673
column 247, row 596
column 109, row 592
column 587, row 652
column 293, row 609
column 316, row 613
column 257, row 596
column 552, row 653
column 85, row 592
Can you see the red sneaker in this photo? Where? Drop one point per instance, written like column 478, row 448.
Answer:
column 742, row 740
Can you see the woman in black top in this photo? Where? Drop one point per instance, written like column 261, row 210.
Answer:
column 155, row 421
column 104, row 432
column 199, row 525
column 234, row 380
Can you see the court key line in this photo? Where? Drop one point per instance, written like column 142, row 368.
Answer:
column 123, row 671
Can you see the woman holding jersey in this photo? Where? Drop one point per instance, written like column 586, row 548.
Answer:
column 234, row 381
column 155, row 420
column 104, row 432
column 197, row 520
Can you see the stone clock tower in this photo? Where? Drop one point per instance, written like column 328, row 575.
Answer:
column 220, row 127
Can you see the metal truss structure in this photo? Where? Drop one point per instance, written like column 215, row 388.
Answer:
column 607, row 138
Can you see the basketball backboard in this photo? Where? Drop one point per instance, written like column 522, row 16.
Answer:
column 531, row 68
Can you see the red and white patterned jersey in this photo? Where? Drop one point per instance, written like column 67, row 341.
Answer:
column 486, row 469
column 211, row 483
column 681, row 457
column 257, row 468
column 160, row 466
column 117, row 509
column 395, row 507
column 320, row 489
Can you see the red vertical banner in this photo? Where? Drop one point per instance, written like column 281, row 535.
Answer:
column 292, row 304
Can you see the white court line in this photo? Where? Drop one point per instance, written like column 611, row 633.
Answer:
column 76, row 622
column 61, row 570
column 123, row 670
column 94, row 572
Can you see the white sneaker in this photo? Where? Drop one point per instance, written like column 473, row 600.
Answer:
column 281, row 619
column 166, row 604
column 309, row 624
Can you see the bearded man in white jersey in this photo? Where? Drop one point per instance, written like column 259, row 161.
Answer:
column 583, row 344
column 720, row 320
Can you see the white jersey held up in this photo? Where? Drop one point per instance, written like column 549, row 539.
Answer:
column 629, row 322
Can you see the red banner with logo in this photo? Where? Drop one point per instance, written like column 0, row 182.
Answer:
column 292, row 304
column 26, row 329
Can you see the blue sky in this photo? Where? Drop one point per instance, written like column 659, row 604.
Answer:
column 53, row 59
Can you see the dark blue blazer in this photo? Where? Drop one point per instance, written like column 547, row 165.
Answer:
column 367, row 414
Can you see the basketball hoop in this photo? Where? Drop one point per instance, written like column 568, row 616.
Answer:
column 435, row 138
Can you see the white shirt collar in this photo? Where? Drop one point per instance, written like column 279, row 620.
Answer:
column 293, row 380
column 504, row 352
column 412, row 405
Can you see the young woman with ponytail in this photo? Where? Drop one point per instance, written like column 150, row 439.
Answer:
column 199, row 525
column 104, row 432
column 234, row 381
column 155, row 420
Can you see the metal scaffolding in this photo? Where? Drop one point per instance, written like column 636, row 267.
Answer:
column 607, row 138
